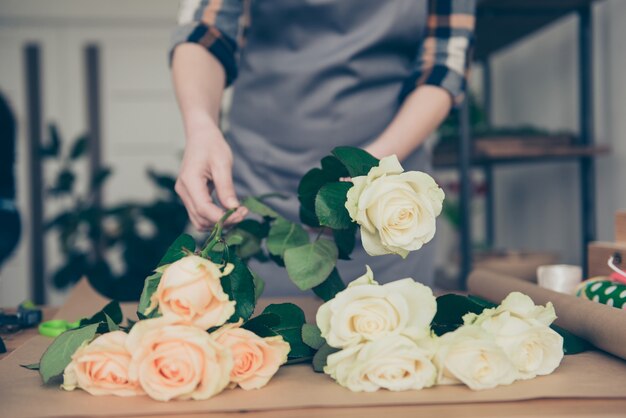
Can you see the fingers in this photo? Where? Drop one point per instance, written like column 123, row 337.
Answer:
column 223, row 181
column 196, row 197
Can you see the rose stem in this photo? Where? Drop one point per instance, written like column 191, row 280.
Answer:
column 216, row 234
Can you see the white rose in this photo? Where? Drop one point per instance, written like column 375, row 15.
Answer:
column 396, row 210
column 470, row 355
column 520, row 306
column 394, row 363
column 535, row 349
column 366, row 311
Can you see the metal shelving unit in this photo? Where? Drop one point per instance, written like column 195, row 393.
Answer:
column 500, row 23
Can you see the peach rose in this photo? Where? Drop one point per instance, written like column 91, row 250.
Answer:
column 190, row 291
column 101, row 367
column 255, row 359
column 177, row 361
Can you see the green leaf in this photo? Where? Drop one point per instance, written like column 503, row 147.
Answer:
column 33, row 366
column 262, row 325
column 450, row 311
column 310, row 264
column 163, row 181
column 100, row 177
column 330, row 287
column 149, row 287
column 309, row 186
column 312, row 336
column 290, row 327
column 320, row 358
column 112, row 310
column 334, row 168
column 239, row 285
column 330, row 205
column 345, row 240
column 54, row 147
column 234, row 239
column 356, row 161
column 59, row 353
column 283, row 235
column 572, row 344
column 179, row 249
column 254, row 205
column 78, row 148
column 259, row 285
column 110, row 323
column 64, row 182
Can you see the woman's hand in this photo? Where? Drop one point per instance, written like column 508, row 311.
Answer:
column 207, row 166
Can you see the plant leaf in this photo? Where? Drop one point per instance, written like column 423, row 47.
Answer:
column 54, row 147
column 256, row 206
column 59, row 353
column 345, row 240
column 149, row 287
column 320, row 358
column 283, row 235
column 333, row 168
column 112, row 310
column 100, row 177
column 79, row 147
column 330, row 287
column 450, row 311
column 290, row 327
column 312, row 336
column 32, row 366
column 310, row 264
column 357, row 161
column 262, row 324
column 330, row 205
column 239, row 285
column 178, row 249
column 572, row 344
column 110, row 323
column 259, row 285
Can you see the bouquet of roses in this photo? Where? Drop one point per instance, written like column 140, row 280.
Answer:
column 196, row 334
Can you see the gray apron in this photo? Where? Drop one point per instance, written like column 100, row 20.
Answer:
column 315, row 74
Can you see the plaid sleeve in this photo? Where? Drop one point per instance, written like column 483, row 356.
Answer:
column 444, row 55
column 214, row 24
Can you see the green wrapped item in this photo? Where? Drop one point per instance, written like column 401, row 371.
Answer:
column 603, row 291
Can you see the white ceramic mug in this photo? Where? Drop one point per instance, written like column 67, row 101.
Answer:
column 561, row 278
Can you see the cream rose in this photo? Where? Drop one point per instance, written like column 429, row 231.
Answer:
column 470, row 355
column 101, row 367
column 394, row 363
column 520, row 306
column 177, row 361
column 190, row 291
column 396, row 210
column 523, row 331
column 255, row 360
column 366, row 311
column 535, row 349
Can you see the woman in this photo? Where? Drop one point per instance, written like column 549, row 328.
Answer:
column 313, row 74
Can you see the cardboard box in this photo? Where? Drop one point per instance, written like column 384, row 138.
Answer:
column 599, row 253
column 620, row 226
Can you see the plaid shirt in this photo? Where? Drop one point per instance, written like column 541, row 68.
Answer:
column 442, row 59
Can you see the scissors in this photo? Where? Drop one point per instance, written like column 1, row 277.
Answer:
column 56, row 327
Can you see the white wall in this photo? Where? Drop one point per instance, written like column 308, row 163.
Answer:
column 536, row 82
column 140, row 122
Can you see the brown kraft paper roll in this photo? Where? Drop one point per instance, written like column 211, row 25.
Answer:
column 601, row 325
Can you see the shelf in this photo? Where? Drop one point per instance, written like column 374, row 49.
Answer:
column 500, row 23
column 525, row 155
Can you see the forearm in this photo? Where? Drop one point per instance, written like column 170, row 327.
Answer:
column 199, row 80
column 419, row 116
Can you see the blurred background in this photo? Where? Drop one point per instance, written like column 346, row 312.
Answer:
column 99, row 140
